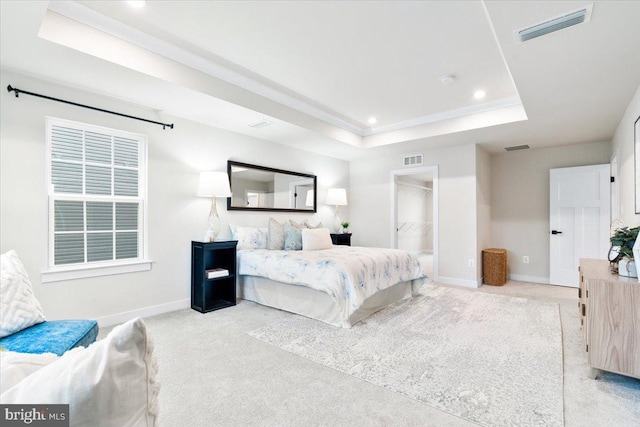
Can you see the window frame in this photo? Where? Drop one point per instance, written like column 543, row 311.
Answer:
column 86, row 269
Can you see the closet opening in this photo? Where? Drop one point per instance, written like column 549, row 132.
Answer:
column 414, row 215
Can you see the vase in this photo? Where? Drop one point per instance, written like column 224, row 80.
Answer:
column 627, row 268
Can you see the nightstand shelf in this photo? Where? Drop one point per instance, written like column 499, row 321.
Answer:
column 341, row 239
column 218, row 292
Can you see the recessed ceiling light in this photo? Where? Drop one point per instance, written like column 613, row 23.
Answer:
column 372, row 120
column 479, row 94
column 138, row 4
column 447, row 79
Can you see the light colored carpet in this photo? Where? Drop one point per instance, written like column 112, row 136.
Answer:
column 493, row 360
column 213, row 374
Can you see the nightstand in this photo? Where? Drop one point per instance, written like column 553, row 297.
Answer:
column 341, row 239
column 208, row 294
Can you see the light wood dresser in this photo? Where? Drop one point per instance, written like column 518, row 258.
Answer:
column 610, row 317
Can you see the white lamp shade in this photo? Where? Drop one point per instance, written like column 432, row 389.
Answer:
column 337, row 196
column 309, row 198
column 214, row 184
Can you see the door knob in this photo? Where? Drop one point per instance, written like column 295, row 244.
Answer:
column 556, row 232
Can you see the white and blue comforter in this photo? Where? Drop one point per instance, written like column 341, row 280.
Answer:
column 350, row 274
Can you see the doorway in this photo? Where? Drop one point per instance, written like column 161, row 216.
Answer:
column 414, row 215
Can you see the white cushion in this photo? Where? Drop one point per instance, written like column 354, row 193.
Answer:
column 111, row 382
column 14, row 367
column 276, row 235
column 250, row 237
column 19, row 307
column 316, row 239
column 293, row 235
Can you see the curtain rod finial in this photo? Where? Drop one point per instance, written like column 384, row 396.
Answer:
column 10, row 88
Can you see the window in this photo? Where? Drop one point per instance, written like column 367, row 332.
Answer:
column 97, row 200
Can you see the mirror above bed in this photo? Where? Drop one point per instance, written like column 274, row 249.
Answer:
column 260, row 188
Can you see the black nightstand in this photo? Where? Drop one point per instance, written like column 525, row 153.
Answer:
column 341, row 239
column 219, row 292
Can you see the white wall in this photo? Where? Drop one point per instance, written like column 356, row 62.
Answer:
column 483, row 200
column 176, row 215
column 370, row 204
column 623, row 146
column 520, row 202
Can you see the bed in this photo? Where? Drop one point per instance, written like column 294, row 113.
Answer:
column 339, row 286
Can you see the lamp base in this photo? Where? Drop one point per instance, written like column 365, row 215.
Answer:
column 210, row 236
column 337, row 224
column 214, row 222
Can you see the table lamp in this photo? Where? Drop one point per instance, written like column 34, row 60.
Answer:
column 337, row 197
column 310, row 195
column 213, row 184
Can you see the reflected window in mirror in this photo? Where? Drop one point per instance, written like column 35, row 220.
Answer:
column 256, row 187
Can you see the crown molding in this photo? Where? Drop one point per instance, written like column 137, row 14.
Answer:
column 98, row 21
column 91, row 18
column 446, row 115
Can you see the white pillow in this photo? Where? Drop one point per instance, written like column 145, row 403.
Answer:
column 316, row 239
column 14, row 367
column 250, row 237
column 19, row 307
column 111, row 382
column 276, row 235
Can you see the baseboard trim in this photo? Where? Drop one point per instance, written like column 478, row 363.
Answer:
column 114, row 319
column 458, row 282
column 532, row 279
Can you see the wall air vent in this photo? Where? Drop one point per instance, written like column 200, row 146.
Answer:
column 565, row 20
column 517, row 147
column 260, row 124
column 412, row 160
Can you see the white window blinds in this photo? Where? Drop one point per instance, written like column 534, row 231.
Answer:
column 97, row 188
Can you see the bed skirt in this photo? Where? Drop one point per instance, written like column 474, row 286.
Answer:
column 313, row 303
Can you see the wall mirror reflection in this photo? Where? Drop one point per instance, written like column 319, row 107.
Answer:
column 262, row 188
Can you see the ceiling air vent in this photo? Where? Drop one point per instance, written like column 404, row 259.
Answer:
column 412, row 160
column 260, row 124
column 565, row 20
column 517, row 147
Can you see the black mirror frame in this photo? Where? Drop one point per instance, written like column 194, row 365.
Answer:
column 231, row 163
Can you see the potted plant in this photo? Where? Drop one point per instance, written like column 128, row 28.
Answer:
column 621, row 251
column 345, row 226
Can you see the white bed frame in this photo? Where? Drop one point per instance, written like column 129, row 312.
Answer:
column 313, row 303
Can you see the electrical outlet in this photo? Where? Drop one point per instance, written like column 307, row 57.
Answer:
column 525, row 259
column 472, row 263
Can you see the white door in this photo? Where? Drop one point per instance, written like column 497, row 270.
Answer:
column 579, row 219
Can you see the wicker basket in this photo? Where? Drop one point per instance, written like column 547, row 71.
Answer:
column 494, row 266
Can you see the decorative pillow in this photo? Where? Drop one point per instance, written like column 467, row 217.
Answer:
column 19, row 307
column 299, row 224
column 14, row 367
column 250, row 237
column 319, row 225
column 293, row 236
column 316, row 239
column 276, row 235
column 111, row 382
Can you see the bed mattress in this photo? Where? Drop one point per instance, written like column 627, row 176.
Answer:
column 347, row 278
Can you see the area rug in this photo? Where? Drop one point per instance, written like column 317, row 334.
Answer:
column 490, row 359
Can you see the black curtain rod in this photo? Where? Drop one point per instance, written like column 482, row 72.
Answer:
column 19, row 91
